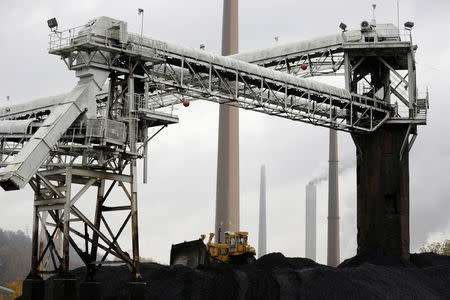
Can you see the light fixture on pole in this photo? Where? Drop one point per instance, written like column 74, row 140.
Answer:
column 409, row 25
column 52, row 24
column 343, row 27
column 141, row 13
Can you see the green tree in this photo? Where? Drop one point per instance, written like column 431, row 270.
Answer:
column 442, row 248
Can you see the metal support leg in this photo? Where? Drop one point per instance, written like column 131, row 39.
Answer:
column 35, row 237
column 66, row 242
column 134, row 219
column 97, row 224
column 33, row 287
column 133, row 173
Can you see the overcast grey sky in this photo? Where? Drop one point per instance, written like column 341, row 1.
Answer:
column 179, row 201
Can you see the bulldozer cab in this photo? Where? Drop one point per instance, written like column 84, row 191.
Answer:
column 237, row 241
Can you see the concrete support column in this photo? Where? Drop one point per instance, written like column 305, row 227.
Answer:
column 227, row 192
column 383, row 191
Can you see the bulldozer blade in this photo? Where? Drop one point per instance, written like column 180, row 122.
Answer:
column 190, row 254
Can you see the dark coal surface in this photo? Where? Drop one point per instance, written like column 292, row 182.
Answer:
column 273, row 276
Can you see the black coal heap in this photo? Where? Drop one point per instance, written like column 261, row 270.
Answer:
column 274, row 276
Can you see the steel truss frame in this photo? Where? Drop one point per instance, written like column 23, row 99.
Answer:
column 78, row 160
column 55, row 196
column 325, row 63
column 173, row 75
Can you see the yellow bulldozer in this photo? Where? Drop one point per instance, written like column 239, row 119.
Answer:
column 234, row 251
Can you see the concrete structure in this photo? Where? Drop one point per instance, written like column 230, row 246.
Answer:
column 227, row 192
column 310, row 221
column 383, row 196
column 262, row 233
column 333, row 247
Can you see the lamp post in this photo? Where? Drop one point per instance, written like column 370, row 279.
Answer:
column 141, row 13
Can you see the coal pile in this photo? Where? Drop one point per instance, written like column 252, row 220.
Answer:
column 273, row 276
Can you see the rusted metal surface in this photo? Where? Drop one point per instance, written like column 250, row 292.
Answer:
column 383, row 191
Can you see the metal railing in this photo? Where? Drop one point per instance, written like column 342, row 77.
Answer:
column 65, row 38
column 83, row 34
column 152, row 104
column 106, row 129
column 380, row 36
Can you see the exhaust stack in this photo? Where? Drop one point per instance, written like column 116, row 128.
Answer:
column 262, row 242
column 310, row 226
column 227, row 192
column 333, row 251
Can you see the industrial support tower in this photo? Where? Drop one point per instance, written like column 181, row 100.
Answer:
column 92, row 137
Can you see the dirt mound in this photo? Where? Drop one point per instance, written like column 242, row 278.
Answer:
column 274, row 276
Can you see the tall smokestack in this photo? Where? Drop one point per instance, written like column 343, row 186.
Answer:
column 227, row 192
column 262, row 242
column 333, row 253
column 310, row 219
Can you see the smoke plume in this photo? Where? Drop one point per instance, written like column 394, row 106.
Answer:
column 343, row 166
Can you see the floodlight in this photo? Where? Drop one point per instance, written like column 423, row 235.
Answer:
column 52, row 24
column 140, row 11
column 409, row 25
column 343, row 26
column 202, row 46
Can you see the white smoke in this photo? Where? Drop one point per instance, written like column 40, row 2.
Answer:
column 342, row 166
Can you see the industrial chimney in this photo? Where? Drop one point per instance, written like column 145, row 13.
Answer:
column 310, row 219
column 262, row 242
column 227, row 192
column 333, row 251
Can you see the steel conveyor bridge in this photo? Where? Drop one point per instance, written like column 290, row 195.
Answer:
column 129, row 83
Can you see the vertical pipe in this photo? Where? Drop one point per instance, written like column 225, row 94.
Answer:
column 333, row 254
column 133, row 174
column 411, row 83
column 35, row 236
column 310, row 221
column 145, row 169
column 227, row 192
column 262, row 241
column 112, row 83
column 1, row 150
column 145, row 132
column 66, row 220
column 59, row 237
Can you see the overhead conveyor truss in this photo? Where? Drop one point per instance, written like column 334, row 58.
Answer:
column 180, row 71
